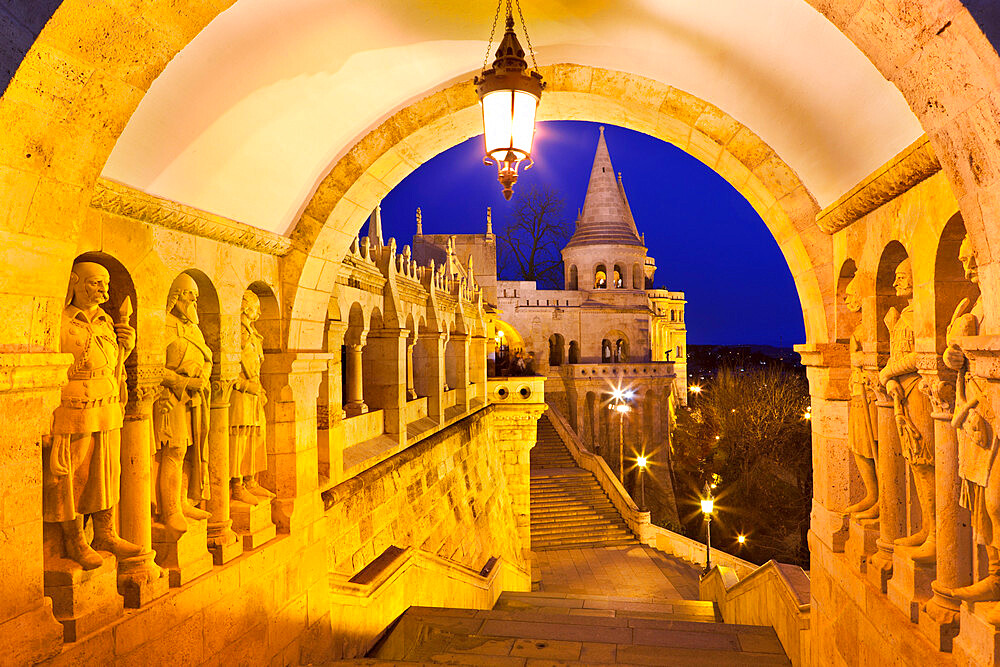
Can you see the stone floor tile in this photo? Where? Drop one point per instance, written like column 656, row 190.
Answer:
column 554, row 631
column 592, row 653
column 476, row 660
column 685, row 639
column 544, row 648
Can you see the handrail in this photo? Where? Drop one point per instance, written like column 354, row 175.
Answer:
column 664, row 540
column 367, row 603
column 775, row 595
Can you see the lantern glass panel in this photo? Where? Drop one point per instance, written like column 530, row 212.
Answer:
column 497, row 120
column 524, row 120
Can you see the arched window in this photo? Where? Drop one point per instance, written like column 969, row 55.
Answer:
column 556, row 343
column 606, row 351
column 572, row 278
column 621, row 351
column 619, row 281
column 600, row 277
column 574, row 352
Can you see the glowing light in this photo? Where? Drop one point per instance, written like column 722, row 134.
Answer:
column 742, row 539
column 807, row 415
column 641, row 461
column 707, row 505
column 622, row 408
column 695, row 389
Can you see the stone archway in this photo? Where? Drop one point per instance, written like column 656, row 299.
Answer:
column 384, row 157
column 91, row 64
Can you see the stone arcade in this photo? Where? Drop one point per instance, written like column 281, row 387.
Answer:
column 243, row 145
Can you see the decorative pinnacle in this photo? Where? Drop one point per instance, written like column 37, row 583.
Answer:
column 420, row 222
column 489, row 220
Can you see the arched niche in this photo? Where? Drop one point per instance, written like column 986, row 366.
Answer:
column 269, row 325
column 951, row 286
column 574, row 352
column 637, row 277
column 556, row 349
column 600, row 277
column 885, row 294
column 846, row 320
column 619, row 277
column 120, row 287
column 209, row 316
column 573, row 281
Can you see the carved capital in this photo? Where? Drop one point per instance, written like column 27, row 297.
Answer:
column 941, row 394
column 143, row 388
column 222, row 391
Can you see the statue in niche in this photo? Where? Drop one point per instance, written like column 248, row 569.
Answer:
column 247, row 450
column 861, row 418
column 977, row 444
column 912, row 412
column 81, row 469
column 181, row 413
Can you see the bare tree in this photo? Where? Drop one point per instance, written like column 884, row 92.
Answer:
column 749, row 432
column 532, row 236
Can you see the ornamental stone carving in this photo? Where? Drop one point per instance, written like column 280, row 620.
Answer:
column 81, row 460
column 862, row 420
column 181, row 413
column 974, row 422
column 912, row 412
column 247, row 449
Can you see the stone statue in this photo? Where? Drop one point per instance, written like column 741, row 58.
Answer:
column 81, row 468
column 247, row 450
column 181, row 413
column 912, row 412
column 977, row 443
column 861, row 418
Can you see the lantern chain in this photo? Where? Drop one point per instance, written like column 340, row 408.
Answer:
column 489, row 44
column 524, row 27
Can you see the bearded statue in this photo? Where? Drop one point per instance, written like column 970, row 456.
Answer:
column 81, row 460
column 181, row 413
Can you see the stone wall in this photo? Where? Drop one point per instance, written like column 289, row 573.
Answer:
column 447, row 495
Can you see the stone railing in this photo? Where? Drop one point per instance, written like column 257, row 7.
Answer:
column 368, row 602
column 638, row 369
column 516, row 389
column 775, row 595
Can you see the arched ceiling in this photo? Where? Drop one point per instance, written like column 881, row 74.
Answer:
column 248, row 118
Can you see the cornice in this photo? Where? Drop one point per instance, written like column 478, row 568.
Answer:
column 119, row 199
column 914, row 164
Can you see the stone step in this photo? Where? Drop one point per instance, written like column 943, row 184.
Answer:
column 581, row 534
column 549, row 517
column 591, row 528
column 622, row 607
column 505, row 636
column 564, row 545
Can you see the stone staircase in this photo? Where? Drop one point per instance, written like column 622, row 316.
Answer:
column 568, row 507
column 565, row 629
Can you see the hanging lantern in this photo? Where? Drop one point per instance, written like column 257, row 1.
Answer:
column 509, row 96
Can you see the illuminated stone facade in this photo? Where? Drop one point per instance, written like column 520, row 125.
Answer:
column 794, row 107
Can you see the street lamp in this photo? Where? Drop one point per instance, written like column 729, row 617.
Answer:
column 707, row 505
column 509, row 97
column 621, row 406
column 641, row 461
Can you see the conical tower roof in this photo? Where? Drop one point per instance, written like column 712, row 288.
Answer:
column 606, row 218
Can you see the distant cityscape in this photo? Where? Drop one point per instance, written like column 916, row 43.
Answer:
column 703, row 361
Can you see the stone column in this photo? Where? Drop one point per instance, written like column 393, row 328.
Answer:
column 140, row 580
column 430, row 380
column 939, row 618
column 828, row 370
column 411, row 392
column 459, row 351
column 223, row 542
column 477, row 365
column 387, row 382
column 355, row 381
column 891, row 489
column 291, row 382
column 30, row 390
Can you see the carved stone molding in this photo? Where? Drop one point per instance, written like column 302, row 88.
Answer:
column 118, row 199
column 942, row 396
column 914, row 164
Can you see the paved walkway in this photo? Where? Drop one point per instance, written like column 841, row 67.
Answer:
column 628, row 571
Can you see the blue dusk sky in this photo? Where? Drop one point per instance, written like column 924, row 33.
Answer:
column 707, row 240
